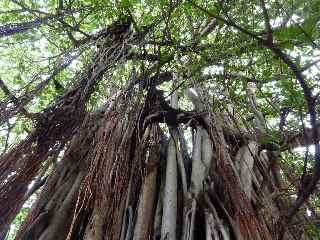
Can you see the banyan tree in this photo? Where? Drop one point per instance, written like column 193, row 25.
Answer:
column 159, row 119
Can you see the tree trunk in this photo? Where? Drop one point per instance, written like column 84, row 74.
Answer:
column 108, row 184
column 140, row 167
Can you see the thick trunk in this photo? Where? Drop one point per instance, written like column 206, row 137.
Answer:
column 118, row 181
column 51, row 215
column 56, row 124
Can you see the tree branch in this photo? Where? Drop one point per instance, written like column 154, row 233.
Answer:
column 15, row 100
column 16, row 28
column 267, row 22
column 310, row 100
column 24, row 100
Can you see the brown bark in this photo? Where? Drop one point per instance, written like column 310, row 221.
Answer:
column 106, row 185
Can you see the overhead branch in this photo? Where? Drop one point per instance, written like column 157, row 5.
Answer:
column 227, row 22
column 267, row 21
column 210, row 26
column 15, row 100
column 20, row 103
column 308, row 66
column 310, row 100
column 17, row 28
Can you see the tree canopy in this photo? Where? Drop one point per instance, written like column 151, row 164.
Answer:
column 254, row 63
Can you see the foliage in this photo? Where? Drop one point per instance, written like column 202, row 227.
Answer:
column 46, row 45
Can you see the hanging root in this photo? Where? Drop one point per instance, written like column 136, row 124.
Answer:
column 115, row 170
column 57, row 199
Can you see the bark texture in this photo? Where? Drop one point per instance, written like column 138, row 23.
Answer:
column 120, row 178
